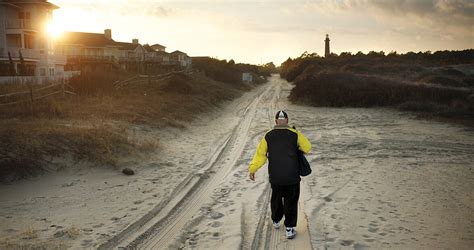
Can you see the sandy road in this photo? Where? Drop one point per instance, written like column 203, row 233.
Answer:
column 165, row 224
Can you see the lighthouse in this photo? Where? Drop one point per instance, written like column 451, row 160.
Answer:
column 327, row 52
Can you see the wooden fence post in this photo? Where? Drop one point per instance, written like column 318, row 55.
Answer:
column 31, row 93
column 31, row 97
column 62, row 88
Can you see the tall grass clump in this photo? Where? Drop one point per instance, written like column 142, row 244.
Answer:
column 342, row 89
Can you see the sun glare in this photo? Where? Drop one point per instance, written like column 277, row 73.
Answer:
column 54, row 29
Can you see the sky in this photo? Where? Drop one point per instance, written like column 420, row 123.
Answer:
column 261, row 31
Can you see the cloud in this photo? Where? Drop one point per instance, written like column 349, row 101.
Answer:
column 159, row 11
column 122, row 7
column 445, row 12
column 457, row 14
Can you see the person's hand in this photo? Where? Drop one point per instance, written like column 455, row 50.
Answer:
column 252, row 176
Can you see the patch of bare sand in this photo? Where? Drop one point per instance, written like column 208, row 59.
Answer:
column 384, row 180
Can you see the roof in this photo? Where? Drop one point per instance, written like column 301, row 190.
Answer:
column 93, row 40
column 148, row 48
column 158, row 45
column 86, row 39
column 127, row 46
column 178, row 52
column 17, row 3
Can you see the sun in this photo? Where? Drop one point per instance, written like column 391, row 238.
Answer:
column 54, row 29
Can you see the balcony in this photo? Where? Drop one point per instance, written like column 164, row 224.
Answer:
column 18, row 24
column 56, row 59
column 125, row 59
column 91, row 59
column 31, row 54
column 154, row 59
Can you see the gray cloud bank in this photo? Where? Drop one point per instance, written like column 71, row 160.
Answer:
column 459, row 13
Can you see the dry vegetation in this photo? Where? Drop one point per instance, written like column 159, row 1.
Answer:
column 92, row 126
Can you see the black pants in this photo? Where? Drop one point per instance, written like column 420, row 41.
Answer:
column 285, row 201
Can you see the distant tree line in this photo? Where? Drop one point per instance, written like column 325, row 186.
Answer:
column 229, row 71
column 374, row 61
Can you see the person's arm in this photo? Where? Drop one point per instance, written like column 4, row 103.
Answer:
column 259, row 158
column 303, row 144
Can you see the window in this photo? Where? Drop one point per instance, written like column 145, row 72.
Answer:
column 51, row 71
column 42, row 72
column 14, row 40
column 29, row 41
column 25, row 19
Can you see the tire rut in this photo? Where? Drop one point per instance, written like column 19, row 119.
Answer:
column 164, row 224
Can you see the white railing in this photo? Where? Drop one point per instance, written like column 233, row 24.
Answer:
column 92, row 58
column 33, row 79
column 26, row 53
column 130, row 59
column 58, row 59
column 69, row 74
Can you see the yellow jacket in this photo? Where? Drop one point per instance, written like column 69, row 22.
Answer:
column 260, row 156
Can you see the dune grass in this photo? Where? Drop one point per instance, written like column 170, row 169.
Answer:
column 92, row 126
column 342, row 89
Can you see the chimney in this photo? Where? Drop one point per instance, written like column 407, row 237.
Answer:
column 135, row 41
column 108, row 34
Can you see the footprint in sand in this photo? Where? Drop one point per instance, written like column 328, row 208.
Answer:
column 329, row 239
column 215, row 224
column 86, row 243
column 373, row 229
column 216, row 215
column 346, row 242
column 98, row 225
column 327, row 198
column 359, row 246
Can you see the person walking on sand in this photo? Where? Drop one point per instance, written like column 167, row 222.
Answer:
column 280, row 145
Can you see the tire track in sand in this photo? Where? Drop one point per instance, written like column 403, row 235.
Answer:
column 276, row 238
column 167, row 222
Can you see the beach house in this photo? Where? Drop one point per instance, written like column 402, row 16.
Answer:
column 26, row 48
